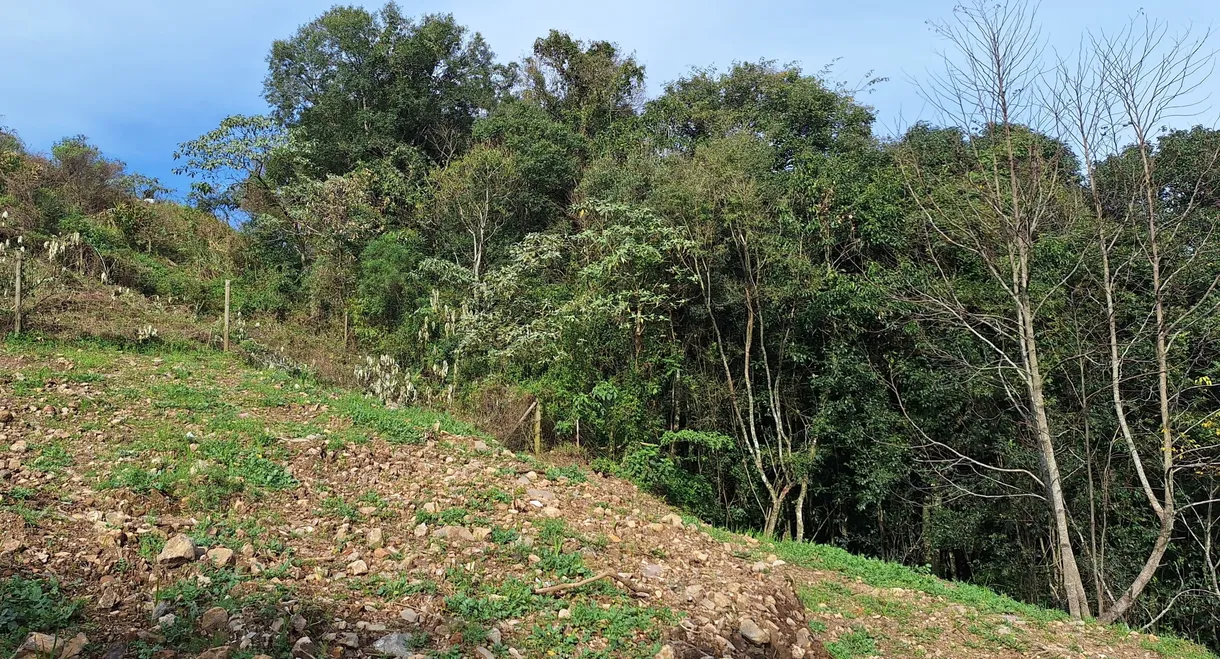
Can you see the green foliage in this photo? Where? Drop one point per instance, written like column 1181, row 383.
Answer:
column 857, row 643
column 33, row 605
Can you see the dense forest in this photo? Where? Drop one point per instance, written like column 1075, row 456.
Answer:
column 984, row 345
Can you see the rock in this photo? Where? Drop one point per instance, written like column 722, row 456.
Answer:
column 108, row 599
column 540, row 495
column 18, row 446
column 179, row 550
column 298, row 623
column 6, row 416
column 221, row 652
column 493, row 636
column 552, row 512
column 397, row 644
column 349, row 640
column 213, row 620
column 376, row 539
column 753, row 633
column 484, row 653
column 220, row 556
column 672, row 520
column 421, row 530
column 1003, row 630
column 480, row 445
column 167, row 620
column 666, row 652
column 304, row 648
column 37, row 645
column 357, row 568
column 564, row 614
column 652, row 571
column 74, row 646
column 409, row 615
column 41, row 646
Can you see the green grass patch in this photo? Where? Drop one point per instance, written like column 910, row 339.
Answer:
column 884, row 574
column 856, row 643
column 33, row 605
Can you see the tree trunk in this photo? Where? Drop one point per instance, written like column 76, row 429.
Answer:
column 800, row 509
column 777, row 507
column 1078, row 603
column 1124, row 602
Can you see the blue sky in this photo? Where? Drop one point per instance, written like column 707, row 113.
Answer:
column 140, row 76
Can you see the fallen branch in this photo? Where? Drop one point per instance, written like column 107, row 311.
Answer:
column 558, row 588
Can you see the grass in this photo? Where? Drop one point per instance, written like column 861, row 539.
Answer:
column 33, row 605
column 856, row 643
column 883, row 574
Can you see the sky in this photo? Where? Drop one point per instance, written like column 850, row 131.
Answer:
column 138, row 77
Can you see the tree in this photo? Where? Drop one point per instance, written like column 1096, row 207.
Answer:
column 476, row 194
column 357, row 85
column 231, row 162
column 586, row 87
column 998, row 216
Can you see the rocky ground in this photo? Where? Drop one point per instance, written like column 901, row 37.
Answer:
column 192, row 502
column 159, row 501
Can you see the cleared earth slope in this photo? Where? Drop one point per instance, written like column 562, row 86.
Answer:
column 161, row 499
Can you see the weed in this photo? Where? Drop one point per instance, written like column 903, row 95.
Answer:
column 856, row 643
column 32, row 605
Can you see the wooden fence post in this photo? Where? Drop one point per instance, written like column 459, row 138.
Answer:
column 17, row 298
column 537, row 428
column 226, row 348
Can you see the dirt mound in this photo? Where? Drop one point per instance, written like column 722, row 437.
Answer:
column 194, row 504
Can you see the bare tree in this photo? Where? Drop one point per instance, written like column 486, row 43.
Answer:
column 988, row 89
column 1120, row 92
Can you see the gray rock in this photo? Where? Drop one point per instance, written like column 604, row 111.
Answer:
column 753, row 633
column 304, row 648
column 397, row 644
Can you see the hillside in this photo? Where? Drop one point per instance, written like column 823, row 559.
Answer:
column 162, row 499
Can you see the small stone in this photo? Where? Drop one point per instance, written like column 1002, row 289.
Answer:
column 540, row 495
column 108, row 600
column 357, row 568
column 666, row 652
column 348, row 640
column 220, row 556
column 18, row 446
column 179, row 550
column 409, row 615
column 221, row 652
column 552, row 512
column 376, row 539
column 6, row 416
column 652, row 571
column 213, row 620
column 480, row 445
column 753, row 633
column 672, row 520
column 493, row 636
column 298, row 623
column 421, row 530
column 397, row 644
column 564, row 614
column 484, row 653
column 304, row 648
column 74, row 646
column 167, row 620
